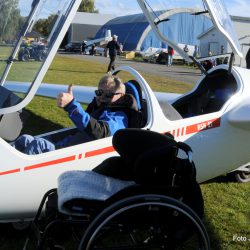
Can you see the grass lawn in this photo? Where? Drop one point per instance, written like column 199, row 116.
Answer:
column 227, row 204
column 20, row 71
column 5, row 51
column 89, row 73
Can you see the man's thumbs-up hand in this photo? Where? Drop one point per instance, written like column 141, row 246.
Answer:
column 64, row 98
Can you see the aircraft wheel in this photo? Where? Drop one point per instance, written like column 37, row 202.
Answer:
column 25, row 57
column 146, row 222
column 242, row 176
column 41, row 57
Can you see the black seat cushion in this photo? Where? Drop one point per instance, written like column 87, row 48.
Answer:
column 130, row 143
column 115, row 167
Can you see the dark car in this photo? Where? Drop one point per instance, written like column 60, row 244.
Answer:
column 73, row 47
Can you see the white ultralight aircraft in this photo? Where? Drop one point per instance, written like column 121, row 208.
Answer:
column 212, row 118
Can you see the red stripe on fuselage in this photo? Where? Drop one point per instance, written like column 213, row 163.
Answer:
column 214, row 123
column 10, row 171
column 195, row 128
column 99, row 151
column 50, row 163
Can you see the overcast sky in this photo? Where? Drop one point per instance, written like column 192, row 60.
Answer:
column 125, row 7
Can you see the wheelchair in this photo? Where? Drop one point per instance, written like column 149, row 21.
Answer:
column 145, row 198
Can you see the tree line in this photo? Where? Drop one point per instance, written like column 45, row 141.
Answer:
column 11, row 20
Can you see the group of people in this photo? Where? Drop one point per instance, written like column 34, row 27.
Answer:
column 84, row 46
column 115, row 48
column 166, row 56
column 207, row 64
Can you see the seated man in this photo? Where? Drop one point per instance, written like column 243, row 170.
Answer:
column 107, row 113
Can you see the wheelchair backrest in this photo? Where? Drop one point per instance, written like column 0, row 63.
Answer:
column 152, row 157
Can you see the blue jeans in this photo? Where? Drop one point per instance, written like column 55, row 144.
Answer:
column 31, row 145
column 170, row 60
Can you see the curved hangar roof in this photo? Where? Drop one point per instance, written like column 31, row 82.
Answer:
column 134, row 32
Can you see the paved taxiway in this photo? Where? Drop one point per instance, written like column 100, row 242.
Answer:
column 179, row 72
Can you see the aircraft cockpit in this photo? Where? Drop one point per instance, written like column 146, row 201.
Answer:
column 210, row 96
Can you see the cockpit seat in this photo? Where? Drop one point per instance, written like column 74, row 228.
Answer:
column 135, row 91
column 133, row 88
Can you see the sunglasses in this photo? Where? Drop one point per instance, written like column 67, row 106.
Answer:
column 100, row 92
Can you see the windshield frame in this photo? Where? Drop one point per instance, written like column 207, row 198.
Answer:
column 154, row 26
column 61, row 31
column 229, row 34
column 217, row 9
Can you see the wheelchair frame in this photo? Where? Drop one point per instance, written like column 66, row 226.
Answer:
column 100, row 221
column 148, row 212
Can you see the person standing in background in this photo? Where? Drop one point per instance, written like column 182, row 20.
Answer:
column 170, row 55
column 83, row 48
column 186, row 50
column 93, row 50
column 222, row 49
column 213, row 61
column 113, row 47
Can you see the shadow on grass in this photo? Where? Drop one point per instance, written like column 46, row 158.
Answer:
column 36, row 125
column 75, row 71
column 182, row 73
column 185, row 72
column 213, row 236
column 221, row 179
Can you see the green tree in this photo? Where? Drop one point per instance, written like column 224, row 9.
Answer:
column 9, row 19
column 88, row 6
column 44, row 26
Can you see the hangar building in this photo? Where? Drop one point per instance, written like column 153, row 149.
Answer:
column 135, row 33
column 212, row 40
column 85, row 25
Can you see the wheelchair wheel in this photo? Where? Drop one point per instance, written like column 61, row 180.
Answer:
column 146, row 221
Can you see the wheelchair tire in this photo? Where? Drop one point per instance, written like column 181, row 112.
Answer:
column 146, row 221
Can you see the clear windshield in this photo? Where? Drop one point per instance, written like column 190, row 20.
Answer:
column 27, row 32
column 171, row 21
column 223, row 22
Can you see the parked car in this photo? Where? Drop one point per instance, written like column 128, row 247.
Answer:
column 73, row 47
